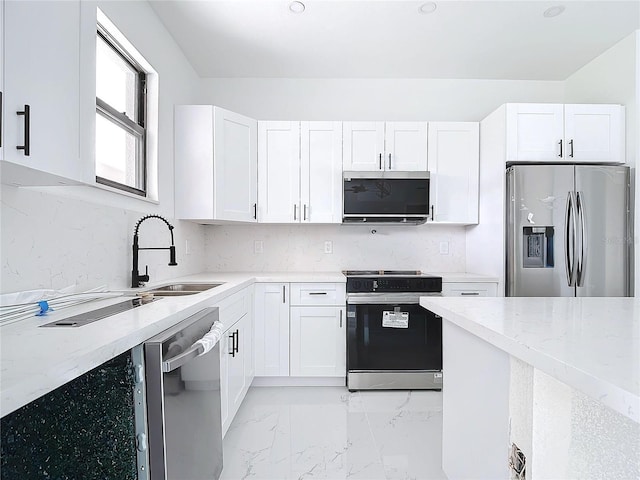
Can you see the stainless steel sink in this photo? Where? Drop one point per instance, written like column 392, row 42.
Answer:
column 100, row 313
column 178, row 289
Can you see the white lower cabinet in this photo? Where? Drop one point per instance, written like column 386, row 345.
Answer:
column 236, row 353
column 300, row 330
column 317, row 342
column 272, row 329
column 469, row 289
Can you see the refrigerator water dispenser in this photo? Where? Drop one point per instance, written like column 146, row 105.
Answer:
column 537, row 247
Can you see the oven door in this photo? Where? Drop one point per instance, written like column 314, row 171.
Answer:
column 393, row 345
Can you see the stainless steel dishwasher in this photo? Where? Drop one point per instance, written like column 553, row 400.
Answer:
column 182, row 371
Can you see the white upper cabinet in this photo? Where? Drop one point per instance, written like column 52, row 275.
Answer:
column 215, row 164
column 362, row 146
column 535, row 131
column 573, row 133
column 454, row 165
column 40, row 96
column 321, row 172
column 385, row 146
column 406, row 146
column 300, row 172
column 594, row 133
column 279, row 172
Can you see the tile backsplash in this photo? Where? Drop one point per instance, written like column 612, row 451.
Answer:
column 51, row 241
column 302, row 248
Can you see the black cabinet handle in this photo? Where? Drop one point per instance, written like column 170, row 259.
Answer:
column 433, row 218
column 389, row 161
column 571, row 145
column 469, row 293
column 255, row 211
column 1, row 119
column 560, row 142
column 27, row 126
column 295, row 211
column 380, row 161
column 304, row 217
column 284, row 299
column 317, row 293
column 340, row 318
column 237, row 333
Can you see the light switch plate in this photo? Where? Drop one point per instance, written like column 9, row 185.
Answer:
column 444, row 248
column 258, row 246
column 328, row 246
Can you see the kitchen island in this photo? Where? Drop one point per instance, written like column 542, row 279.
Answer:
column 558, row 377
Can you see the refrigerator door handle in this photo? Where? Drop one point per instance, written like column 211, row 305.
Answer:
column 570, row 239
column 583, row 241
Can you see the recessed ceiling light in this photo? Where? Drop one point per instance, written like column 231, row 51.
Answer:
column 427, row 8
column 296, row 7
column 553, row 11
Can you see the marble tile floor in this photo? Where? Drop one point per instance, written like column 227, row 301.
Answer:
column 331, row 433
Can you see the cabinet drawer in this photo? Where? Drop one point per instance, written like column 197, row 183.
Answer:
column 469, row 289
column 233, row 308
column 318, row 294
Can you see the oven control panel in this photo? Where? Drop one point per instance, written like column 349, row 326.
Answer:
column 382, row 284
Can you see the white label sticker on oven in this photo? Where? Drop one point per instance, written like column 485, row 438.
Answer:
column 395, row 319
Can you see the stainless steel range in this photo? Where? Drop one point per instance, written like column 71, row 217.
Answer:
column 392, row 342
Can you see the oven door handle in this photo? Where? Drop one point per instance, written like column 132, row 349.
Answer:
column 380, row 299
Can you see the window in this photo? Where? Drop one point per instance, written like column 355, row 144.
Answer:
column 121, row 116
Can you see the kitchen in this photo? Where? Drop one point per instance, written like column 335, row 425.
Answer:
column 91, row 228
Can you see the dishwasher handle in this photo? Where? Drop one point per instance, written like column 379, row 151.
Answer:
column 199, row 347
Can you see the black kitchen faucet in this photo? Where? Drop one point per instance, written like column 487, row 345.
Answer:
column 138, row 280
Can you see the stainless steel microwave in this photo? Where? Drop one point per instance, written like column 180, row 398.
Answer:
column 385, row 197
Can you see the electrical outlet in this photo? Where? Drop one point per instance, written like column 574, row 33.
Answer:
column 187, row 247
column 328, row 246
column 258, row 246
column 444, row 248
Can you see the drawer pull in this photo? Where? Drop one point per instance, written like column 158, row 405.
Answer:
column 470, row 293
column 317, row 293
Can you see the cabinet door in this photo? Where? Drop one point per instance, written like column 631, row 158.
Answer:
column 594, row 133
column 279, row 172
column 454, row 165
column 233, row 385
column 362, row 146
column 321, row 172
column 406, row 146
column 535, row 132
column 272, row 329
column 318, row 341
column 248, row 328
column 235, row 162
column 42, row 71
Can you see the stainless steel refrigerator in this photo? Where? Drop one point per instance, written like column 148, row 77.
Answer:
column 568, row 231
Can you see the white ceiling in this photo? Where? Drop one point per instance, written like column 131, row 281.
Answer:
column 390, row 39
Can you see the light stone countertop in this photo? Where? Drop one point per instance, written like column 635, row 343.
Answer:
column 448, row 277
column 35, row 361
column 590, row 344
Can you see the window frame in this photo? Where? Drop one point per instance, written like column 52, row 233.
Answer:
column 136, row 127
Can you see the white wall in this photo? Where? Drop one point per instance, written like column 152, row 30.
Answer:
column 56, row 237
column 372, row 99
column 301, row 247
column 614, row 77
